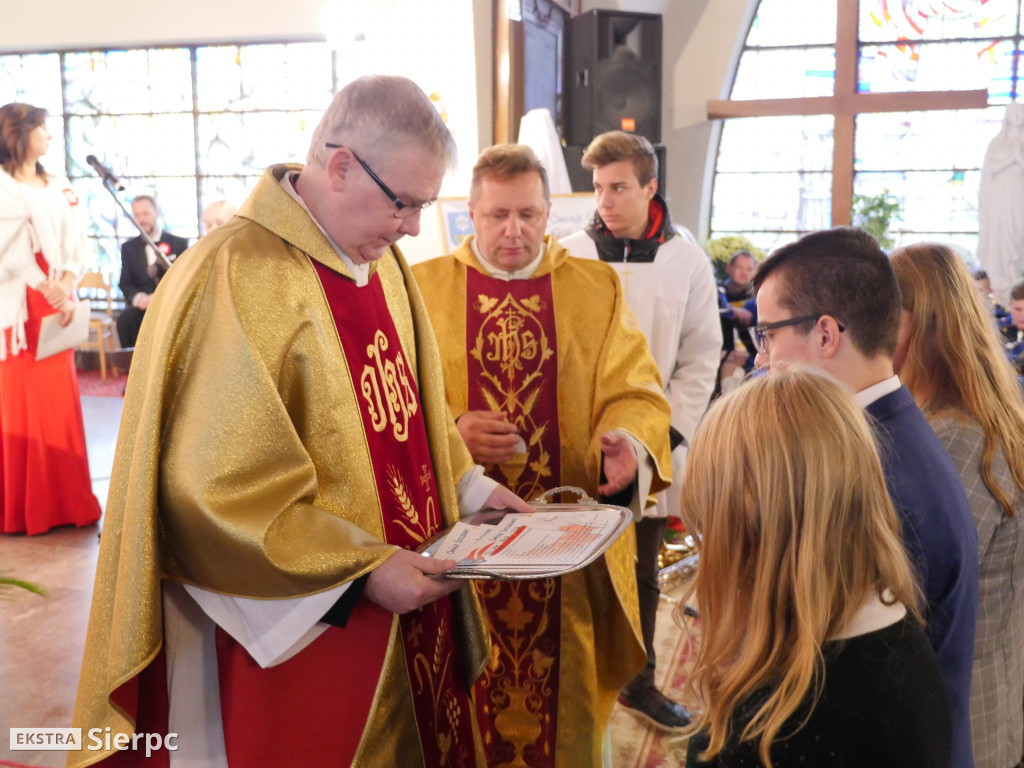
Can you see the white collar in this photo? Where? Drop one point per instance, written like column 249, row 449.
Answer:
column 872, row 616
column 361, row 272
column 867, row 396
column 524, row 273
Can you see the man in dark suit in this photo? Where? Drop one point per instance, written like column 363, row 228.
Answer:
column 831, row 300
column 141, row 268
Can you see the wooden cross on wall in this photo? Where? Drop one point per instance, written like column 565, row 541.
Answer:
column 846, row 103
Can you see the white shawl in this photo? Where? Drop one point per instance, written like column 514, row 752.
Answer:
column 50, row 223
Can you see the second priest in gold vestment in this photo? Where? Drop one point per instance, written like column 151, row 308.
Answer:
column 552, row 383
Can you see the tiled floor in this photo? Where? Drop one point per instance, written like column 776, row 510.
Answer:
column 42, row 638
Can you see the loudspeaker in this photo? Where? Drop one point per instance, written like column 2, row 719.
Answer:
column 613, row 75
column 581, row 179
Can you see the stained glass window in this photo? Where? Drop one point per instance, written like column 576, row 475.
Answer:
column 793, row 22
column 785, row 202
column 248, row 142
column 772, row 182
column 924, row 140
column 34, row 79
column 190, row 124
column 934, row 66
column 785, row 73
column 773, row 174
column 128, row 82
column 760, row 144
column 882, row 20
column 253, row 77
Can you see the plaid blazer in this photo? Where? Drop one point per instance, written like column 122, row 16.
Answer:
column 997, row 680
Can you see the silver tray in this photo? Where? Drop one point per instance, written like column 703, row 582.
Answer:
column 543, row 503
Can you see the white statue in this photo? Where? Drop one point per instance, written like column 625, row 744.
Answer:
column 1001, row 206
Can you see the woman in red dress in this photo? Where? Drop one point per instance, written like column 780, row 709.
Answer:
column 44, row 470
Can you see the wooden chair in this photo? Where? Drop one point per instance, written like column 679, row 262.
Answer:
column 94, row 286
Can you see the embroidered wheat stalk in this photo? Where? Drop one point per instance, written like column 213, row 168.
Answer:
column 401, row 495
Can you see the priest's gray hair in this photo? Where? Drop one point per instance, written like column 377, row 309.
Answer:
column 378, row 114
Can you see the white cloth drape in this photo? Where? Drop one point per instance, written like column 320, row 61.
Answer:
column 537, row 131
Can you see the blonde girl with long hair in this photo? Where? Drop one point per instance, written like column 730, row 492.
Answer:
column 949, row 356
column 812, row 651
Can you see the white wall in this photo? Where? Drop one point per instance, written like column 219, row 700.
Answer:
column 59, row 24
column 701, row 44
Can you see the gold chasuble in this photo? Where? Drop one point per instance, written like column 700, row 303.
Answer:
column 561, row 355
column 284, row 432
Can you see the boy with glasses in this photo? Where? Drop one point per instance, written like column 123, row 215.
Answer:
column 831, row 300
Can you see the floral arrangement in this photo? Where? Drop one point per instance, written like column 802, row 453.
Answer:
column 721, row 249
column 677, row 545
column 674, row 530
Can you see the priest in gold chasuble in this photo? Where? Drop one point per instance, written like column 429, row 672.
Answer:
column 285, row 442
column 551, row 383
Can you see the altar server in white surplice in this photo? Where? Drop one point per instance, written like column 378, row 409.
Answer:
column 670, row 287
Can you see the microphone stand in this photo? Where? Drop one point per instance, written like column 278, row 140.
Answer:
column 109, row 186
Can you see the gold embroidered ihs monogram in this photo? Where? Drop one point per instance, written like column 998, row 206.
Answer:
column 511, row 337
column 511, row 348
column 386, row 388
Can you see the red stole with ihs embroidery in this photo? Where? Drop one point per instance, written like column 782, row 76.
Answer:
column 396, row 435
column 329, row 716
column 513, row 367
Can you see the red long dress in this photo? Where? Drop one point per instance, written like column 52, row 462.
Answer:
column 44, row 469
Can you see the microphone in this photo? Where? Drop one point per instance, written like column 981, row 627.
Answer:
column 105, row 173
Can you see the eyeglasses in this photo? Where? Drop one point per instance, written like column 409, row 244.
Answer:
column 761, row 331
column 405, row 210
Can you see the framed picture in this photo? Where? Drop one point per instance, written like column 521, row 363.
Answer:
column 455, row 223
column 569, row 213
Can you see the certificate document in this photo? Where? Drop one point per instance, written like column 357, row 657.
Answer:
column 542, row 543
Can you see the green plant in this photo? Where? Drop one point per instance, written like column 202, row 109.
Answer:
column 874, row 214
column 7, row 581
column 721, row 249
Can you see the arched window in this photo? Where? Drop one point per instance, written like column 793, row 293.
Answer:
column 835, row 98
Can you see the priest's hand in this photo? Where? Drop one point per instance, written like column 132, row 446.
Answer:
column 402, row 583
column 502, row 498
column 619, row 462
column 490, row 438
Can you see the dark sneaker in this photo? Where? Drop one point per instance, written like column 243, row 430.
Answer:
column 658, row 710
